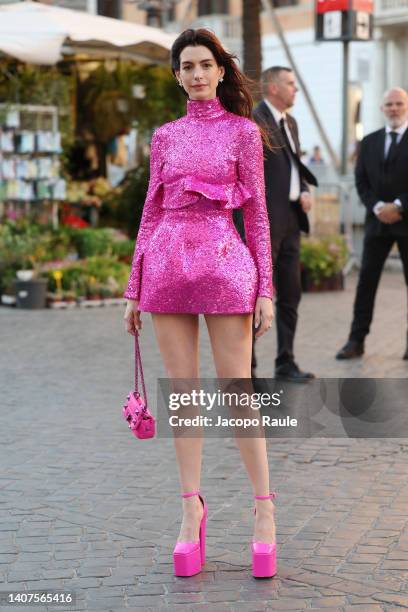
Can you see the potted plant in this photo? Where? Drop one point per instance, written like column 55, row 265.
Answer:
column 322, row 262
column 69, row 298
column 29, row 250
column 55, row 300
column 7, row 289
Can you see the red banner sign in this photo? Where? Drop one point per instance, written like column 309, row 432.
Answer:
column 363, row 6
column 327, row 6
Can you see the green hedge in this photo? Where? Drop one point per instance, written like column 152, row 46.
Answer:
column 83, row 254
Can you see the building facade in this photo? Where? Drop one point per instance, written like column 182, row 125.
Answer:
column 109, row 8
column 374, row 66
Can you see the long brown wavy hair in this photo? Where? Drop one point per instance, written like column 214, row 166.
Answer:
column 234, row 91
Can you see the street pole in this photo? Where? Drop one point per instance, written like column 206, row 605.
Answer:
column 344, row 144
column 92, row 7
column 345, row 185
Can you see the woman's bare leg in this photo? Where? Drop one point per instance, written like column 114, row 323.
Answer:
column 177, row 337
column 231, row 341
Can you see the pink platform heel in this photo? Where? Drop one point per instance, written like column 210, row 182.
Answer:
column 263, row 554
column 189, row 557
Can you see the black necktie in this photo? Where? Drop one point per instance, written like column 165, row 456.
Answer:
column 392, row 148
column 303, row 170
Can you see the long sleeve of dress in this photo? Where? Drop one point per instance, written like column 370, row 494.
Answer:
column 255, row 215
column 150, row 217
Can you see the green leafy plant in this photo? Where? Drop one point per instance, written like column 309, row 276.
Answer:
column 23, row 245
column 323, row 257
column 123, row 207
column 81, row 253
column 90, row 242
column 95, row 277
column 44, row 85
column 106, row 104
column 124, row 249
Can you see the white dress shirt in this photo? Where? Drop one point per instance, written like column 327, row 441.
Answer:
column 400, row 131
column 294, row 191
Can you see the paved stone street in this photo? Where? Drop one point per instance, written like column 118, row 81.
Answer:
column 86, row 507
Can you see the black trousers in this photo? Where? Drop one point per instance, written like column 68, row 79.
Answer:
column 375, row 251
column 286, row 281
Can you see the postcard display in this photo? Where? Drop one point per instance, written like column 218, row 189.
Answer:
column 30, row 148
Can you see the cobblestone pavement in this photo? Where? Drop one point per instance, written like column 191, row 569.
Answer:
column 85, row 506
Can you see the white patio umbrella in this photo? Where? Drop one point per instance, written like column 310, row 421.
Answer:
column 43, row 34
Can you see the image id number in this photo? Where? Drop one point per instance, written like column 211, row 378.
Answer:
column 26, row 597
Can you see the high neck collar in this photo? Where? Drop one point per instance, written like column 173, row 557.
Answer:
column 205, row 109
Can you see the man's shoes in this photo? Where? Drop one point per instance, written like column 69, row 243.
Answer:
column 290, row 372
column 350, row 350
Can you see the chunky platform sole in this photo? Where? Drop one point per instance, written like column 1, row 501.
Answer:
column 264, row 564
column 187, row 564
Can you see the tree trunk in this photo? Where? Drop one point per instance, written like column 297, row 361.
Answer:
column 251, row 29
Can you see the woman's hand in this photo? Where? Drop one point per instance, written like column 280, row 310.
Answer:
column 263, row 315
column 132, row 317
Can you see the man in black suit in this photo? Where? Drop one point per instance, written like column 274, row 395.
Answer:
column 382, row 183
column 288, row 201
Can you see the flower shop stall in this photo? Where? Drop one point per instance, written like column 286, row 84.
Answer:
column 30, row 148
column 80, row 95
column 98, row 111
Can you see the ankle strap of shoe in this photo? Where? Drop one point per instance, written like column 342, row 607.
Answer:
column 190, row 494
column 271, row 495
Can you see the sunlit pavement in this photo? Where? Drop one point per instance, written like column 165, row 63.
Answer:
column 86, row 507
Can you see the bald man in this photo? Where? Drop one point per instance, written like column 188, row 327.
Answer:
column 382, row 184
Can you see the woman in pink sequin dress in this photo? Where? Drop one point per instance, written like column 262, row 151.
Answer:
column 189, row 258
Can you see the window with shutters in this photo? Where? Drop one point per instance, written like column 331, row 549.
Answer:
column 282, row 3
column 213, row 7
column 170, row 14
column 110, row 8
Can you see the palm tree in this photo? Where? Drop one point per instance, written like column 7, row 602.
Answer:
column 251, row 28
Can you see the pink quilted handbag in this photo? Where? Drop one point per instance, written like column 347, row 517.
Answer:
column 135, row 411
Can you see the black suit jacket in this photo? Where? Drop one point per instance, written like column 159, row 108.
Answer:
column 277, row 167
column 374, row 184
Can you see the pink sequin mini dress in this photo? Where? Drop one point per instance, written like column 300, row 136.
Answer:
column 189, row 258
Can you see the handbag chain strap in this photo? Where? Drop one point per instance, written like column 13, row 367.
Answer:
column 138, row 364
